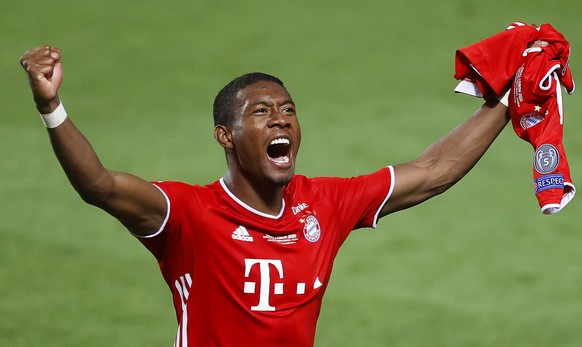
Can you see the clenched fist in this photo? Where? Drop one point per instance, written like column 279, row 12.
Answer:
column 45, row 74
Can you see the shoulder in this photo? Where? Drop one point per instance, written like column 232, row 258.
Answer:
column 176, row 190
column 300, row 181
column 303, row 183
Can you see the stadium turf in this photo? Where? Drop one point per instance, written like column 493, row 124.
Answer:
column 478, row 266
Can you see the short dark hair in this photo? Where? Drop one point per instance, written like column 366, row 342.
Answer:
column 223, row 108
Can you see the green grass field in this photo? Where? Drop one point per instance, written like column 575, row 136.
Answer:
column 373, row 80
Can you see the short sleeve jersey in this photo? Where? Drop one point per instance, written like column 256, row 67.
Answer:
column 240, row 277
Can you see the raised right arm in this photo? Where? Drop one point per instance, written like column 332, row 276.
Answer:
column 136, row 203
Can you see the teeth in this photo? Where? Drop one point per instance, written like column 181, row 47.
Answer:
column 282, row 160
column 280, row 141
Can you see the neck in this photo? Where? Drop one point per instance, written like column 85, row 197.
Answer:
column 261, row 196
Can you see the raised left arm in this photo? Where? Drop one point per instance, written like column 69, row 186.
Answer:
column 445, row 162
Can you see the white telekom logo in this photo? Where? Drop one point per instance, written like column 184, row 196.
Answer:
column 265, row 282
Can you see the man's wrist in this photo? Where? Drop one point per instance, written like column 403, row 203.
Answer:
column 47, row 106
column 504, row 99
column 54, row 118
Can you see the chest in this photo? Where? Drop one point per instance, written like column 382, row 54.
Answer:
column 267, row 264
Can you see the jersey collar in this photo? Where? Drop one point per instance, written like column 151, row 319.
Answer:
column 249, row 208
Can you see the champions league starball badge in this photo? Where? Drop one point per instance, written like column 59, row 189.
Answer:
column 311, row 229
column 546, row 159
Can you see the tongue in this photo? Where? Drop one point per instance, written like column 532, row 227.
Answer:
column 278, row 153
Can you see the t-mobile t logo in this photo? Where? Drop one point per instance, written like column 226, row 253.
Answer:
column 265, row 282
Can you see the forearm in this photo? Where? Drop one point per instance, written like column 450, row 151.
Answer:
column 446, row 161
column 139, row 205
column 453, row 156
column 81, row 164
column 133, row 201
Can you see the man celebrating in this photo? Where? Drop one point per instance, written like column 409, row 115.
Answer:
column 248, row 257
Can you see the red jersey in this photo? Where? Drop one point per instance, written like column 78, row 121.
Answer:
column 240, row 277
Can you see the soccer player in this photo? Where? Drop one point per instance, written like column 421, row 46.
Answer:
column 248, row 257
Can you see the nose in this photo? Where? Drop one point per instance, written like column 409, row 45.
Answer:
column 279, row 120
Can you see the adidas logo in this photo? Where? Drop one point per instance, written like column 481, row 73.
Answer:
column 242, row 234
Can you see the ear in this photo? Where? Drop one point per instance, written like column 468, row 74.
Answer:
column 223, row 136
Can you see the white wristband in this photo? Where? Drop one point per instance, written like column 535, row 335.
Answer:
column 504, row 99
column 55, row 118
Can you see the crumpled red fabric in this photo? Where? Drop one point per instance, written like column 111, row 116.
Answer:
column 491, row 63
column 537, row 116
column 534, row 77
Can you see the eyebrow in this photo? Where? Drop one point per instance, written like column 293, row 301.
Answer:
column 266, row 103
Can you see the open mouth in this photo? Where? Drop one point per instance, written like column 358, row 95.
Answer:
column 279, row 150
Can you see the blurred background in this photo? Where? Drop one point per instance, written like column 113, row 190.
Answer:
column 373, row 80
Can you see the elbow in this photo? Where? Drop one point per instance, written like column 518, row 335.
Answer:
column 97, row 192
column 94, row 198
column 441, row 187
column 441, row 176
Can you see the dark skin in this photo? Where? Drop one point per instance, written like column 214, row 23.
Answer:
column 264, row 112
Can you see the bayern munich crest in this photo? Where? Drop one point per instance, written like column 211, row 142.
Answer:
column 546, row 159
column 311, row 229
column 530, row 119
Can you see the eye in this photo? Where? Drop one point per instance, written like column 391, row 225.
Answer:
column 261, row 110
column 289, row 109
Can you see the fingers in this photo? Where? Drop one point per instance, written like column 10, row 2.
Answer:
column 41, row 60
column 539, row 43
column 45, row 50
column 44, row 70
